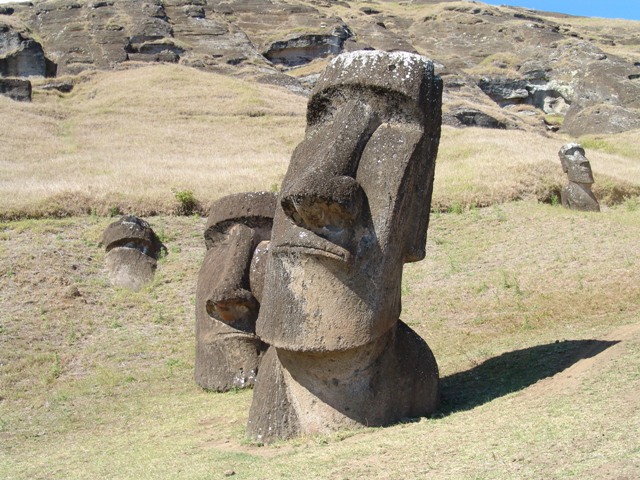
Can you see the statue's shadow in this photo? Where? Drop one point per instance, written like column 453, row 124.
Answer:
column 513, row 371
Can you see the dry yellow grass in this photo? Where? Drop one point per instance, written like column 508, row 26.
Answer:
column 128, row 140
column 484, row 167
column 101, row 385
column 132, row 138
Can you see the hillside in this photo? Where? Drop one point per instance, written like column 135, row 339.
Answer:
column 532, row 310
column 503, row 67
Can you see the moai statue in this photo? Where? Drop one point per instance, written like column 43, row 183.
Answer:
column 577, row 195
column 132, row 252
column 228, row 351
column 354, row 207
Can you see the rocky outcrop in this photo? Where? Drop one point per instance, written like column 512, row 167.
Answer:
column 16, row 89
column 550, row 97
column 470, row 117
column 507, row 56
column 21, row 55
column 306, row 48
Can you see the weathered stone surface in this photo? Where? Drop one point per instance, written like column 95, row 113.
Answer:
column 21, row 55
column 306, row 48
column 577, row 195
column 132, row 252
column 228, row 352
column 129, row 268
column 540, row 59
column 258, row 269
column 340, row 357
column 471, row 117
column 253, row 209
column 16, row 89
column 601, row 118
column 134, row 232
column 549, row 97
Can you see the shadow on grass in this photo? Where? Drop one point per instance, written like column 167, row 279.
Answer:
column 513, row 371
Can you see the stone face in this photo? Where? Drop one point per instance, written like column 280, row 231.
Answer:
column 132, row 252
column 228, row 352
column 354, row 207
column 577, row 195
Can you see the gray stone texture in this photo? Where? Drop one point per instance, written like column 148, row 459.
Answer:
column 354, row 207
column 16, row 89
column 228, row 352
column 21, row 55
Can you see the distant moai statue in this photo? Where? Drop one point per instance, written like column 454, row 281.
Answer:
column 353, row 208
column 132, row 252
column 577, row 195
column 228, row 352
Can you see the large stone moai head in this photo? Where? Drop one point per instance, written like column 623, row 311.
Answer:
column 577, row 195
column 229, row 289
column 354, row 205
column 353, row 208
column 132, row 252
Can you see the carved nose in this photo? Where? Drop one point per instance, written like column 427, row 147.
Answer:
column 230, row 310
column 235, row 308
column 321, row 204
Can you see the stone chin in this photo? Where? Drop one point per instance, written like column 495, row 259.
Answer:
column 315, row 288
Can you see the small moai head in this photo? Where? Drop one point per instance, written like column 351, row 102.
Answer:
column 354, row 204
column 132, row 252
column 575, row 164
column 228, row 290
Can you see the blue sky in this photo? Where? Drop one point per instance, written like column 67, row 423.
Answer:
column 629, row 9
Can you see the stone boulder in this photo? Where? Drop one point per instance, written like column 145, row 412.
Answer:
column 471, row 117
column 16, row 89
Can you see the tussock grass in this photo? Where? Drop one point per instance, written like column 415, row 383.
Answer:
column 130, row 139
column 127, row 141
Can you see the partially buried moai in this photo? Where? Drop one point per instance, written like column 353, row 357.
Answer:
column 132, row 252
column 577, row 195
column 353, row 208
column 228, row 352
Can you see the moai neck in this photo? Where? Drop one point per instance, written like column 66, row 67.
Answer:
column 337, row 389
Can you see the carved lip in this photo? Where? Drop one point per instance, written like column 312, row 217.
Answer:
column 304, row 242
column 238, row 335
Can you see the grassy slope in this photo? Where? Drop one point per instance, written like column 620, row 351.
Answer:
column 130, row 140
column 100, row 385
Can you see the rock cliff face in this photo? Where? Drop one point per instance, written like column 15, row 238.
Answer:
column 502, row 67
